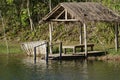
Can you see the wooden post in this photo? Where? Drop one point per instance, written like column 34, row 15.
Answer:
column 116, row 37
column 85, row 38
column 60, row 50
column 50, row 36
column 47, row 54
column 64, row 50
column 74, row 51
column 35, row 55
column 81, row 42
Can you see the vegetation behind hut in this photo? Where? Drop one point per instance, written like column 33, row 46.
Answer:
column 17, row 25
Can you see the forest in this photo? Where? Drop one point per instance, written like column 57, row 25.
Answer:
column 19, row 21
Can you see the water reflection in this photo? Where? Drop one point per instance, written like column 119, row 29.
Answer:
column 65, row 70
column 23, row 68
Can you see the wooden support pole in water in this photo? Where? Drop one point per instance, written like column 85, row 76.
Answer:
column 34, row 54
column 85, row 38
column 47, row 52
column 116, row 37
column 60, row 50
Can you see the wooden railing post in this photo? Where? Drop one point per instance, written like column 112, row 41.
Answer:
column 47, row 52
column 34, row 54
column 60, row 50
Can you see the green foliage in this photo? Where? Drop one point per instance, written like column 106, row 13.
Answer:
column 17, row 25
column 13, row 48
column 24, row 17
column 9, row 1
column 114, row 52
column 101, row 32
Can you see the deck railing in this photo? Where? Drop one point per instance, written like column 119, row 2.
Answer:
column 46, row 52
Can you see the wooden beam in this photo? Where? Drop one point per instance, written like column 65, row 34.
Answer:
column 116, row 37
column 63, row 20
column 51, row 13
column 85, row 38
column 60, row 14
column 50, row 37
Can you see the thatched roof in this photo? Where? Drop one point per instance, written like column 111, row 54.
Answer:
column 81, row 11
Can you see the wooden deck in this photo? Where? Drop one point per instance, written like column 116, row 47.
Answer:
column 75, row 55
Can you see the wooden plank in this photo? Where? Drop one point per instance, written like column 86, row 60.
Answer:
column 85, row 38
column 80, row 55
column 68, row 46
column 63, row 20
column 81, row 45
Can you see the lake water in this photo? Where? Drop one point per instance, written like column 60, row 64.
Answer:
column 23, row 68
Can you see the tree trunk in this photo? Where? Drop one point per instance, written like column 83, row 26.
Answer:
column 3, row 25
column 116, row 37
column 50, row 5
column 31, row 22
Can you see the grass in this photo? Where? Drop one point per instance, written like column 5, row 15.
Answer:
column 113, row 51
column 14, row 48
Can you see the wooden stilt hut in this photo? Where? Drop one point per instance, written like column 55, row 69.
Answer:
column 83, row 13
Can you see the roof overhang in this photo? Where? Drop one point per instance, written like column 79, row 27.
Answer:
column 81, row 12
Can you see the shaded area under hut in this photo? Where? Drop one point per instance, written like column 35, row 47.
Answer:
column 83, row 13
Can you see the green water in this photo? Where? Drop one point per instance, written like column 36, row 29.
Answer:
column 23, row 68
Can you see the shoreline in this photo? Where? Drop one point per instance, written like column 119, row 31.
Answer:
column 110, row 57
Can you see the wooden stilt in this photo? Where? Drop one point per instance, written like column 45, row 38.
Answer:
column 50, row 36
column 85, row 38
column 116, row 37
